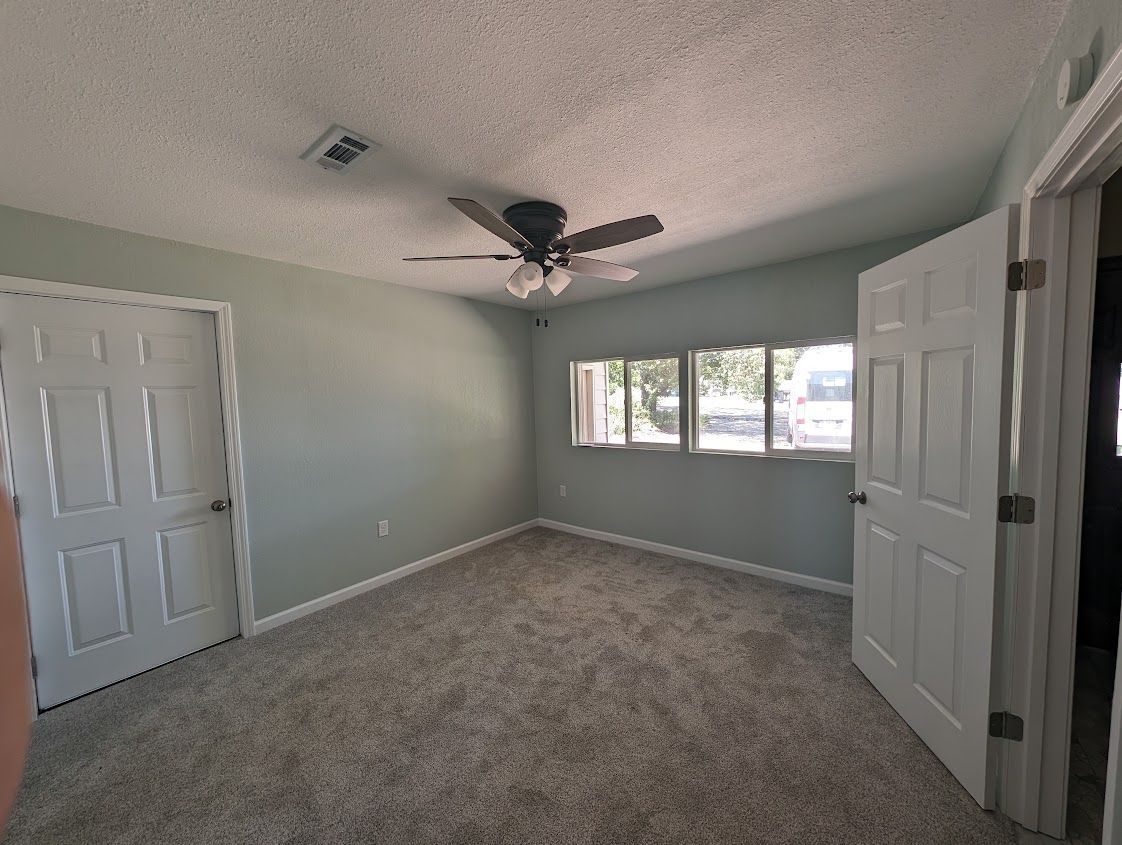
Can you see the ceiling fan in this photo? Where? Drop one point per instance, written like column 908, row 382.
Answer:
column 536, row 230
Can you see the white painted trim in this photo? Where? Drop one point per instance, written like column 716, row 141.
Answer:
column 1044, row 571
column 811, row 581
column 235, row 471
column 308, row 607
column 1086, row 152
column 361, row 587
column 231, row 424
column 92, row 293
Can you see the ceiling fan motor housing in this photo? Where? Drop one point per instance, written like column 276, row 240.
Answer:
column 536, row 229
column 541, row 222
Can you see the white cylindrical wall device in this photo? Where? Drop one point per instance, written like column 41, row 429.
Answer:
column 1075, row 79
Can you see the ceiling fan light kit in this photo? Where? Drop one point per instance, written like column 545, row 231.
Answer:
column 528, row 277
column 557, row 281
column 536, row 229
column 516, row 289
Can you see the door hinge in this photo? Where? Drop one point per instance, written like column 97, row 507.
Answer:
column 15, row 505
column 34, row 667
column 1026, row 275
column 1018, row 509
column 1005, row 725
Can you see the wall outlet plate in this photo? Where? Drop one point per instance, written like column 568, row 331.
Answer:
column 564, row 492
column 383, row 528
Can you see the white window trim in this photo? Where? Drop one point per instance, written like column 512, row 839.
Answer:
column 626, row 360
column 769, row 451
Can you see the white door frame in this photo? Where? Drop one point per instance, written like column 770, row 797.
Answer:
column 227, row 385
column 1059, row 223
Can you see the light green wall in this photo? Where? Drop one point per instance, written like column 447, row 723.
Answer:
column 790, row 514
column 1089, row 26
column 359, row 401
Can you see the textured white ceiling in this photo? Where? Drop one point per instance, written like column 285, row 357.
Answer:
column 757, row 131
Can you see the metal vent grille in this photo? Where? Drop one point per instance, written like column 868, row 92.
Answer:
column 351, row 142
column 338, row 148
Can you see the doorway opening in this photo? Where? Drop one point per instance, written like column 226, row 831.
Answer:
column 1100, row 573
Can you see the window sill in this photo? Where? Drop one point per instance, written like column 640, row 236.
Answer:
column 633, row 447
column 793, row 454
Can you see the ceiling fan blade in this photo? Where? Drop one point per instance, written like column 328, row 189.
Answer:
column 596, row 267
column 491, row 222
column 460, row 257
column 610, row 234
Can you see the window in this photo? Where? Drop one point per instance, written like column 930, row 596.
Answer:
column 600, row 406
column 813, row 389
column 730, row 399
column 779, row 399
column 627, row 402
column 653, row 409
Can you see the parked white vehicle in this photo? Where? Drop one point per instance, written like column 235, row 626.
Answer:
column 820, row 402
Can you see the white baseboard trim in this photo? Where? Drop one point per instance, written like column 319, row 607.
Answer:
column 771, row 572
column 312, row 606
column 814, row 583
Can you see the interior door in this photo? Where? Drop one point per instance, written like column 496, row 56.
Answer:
column 932, row 437
column 118, row 459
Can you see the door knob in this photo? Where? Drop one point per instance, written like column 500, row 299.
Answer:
column 220, row 504
column 858, row 498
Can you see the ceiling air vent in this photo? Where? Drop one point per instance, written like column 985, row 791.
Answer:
column 338, row 148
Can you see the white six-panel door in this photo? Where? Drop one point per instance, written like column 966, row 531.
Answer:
column 930, row 458
column 115, row 427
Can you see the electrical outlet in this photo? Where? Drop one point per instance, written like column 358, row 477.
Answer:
column 383, row 528
column 564, row 492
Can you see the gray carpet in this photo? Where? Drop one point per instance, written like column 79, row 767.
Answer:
column 545, row 689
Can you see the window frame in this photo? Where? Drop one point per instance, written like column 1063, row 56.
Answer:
column 770, row 451
column 627, row 361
